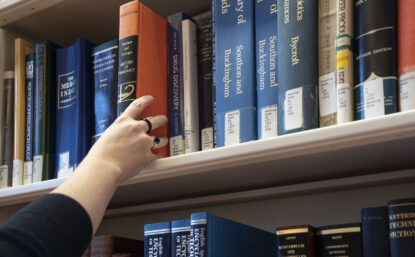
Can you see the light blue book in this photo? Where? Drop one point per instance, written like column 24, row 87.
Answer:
column 157, row 238
column 180, row 238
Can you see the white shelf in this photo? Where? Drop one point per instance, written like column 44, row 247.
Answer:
column 352, row 149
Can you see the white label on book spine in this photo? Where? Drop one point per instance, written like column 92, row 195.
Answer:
column 190, row 144
column 269, row 121
column 64, row 169
column 17, row 172
column 37, row 168
column 373, row 99
column 4, row 176
column 293, row 109
column 28, row 173
column 407, row 91
column 207, row 138
column 176, row 145
column 327, row 94
column 344, row 104
column 232, row 128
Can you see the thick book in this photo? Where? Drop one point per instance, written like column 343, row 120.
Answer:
column 73, row 106
column 211, row 235
column 266, row 34
column 204, row 69
column 44, row 112
column 107, row 245
column 142, row 62
column 180, row 238
column 339, row 240
column 105, row 79
column 6, row 129
column 401, row 227
column 327, row 17
column 28, row 139
column 298, row 66
column 235, row 72
column 21, row 48
column 296, row 241
column 375, row 232
column 406, row 55
column 157, row 240
column 376, row 60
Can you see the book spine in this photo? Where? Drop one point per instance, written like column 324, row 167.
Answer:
column 375, row 232
column 376, row 67
column 204, row 68
column 105, row 69
column 190, row 87
column 180, row 238
column 28, row 146
column 344, row 240
column 7, row 117
column 327, row 62
column 298, row 241
column 157, row 240
column 198, row 235
column 235, row 72
column 127, row 58
column 297, row 64
column 406, row 55
column 214, row 74
column 176, row 89
column 401, row 227
column 266, row 67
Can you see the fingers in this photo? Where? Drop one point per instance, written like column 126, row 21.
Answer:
column 137, row 106
column 156, row 122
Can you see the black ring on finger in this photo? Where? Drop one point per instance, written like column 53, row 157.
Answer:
column 150, row 126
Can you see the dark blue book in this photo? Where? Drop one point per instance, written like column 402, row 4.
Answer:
column 402, row 227
column 376, row 62
column 157, row 240
column 266, row 21
column 375, row 232
column 296, row 241
column 28, row 139
column 105, row 69
column 212, row 236
column 180, row 238
column 74, row 106
column 297, row 66
column 339, row 240
column 235, row 72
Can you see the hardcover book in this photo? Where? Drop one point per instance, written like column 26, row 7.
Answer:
column 213, row 75
column 215, row 236
column 180, row 238
column 107, row 245
column 105, row 69
column 339, row 240
column 157, row 240
column 401, row 227
column 44, row 112
column 298, row 66
column 28, row 139
column 142, row 68
column 74, row 106
column 235, row 72
column 375, row 232
column 376, row 62
column 296, row 241
column 266, row 34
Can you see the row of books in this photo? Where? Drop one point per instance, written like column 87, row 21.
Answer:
column 114, row 246
column 383, row 232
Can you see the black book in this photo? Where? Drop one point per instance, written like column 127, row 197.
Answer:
column 339, row 240
column 375, row 232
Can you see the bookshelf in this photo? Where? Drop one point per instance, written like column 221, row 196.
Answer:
column 323, row 176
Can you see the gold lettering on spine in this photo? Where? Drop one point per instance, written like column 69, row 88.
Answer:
column 400, row 227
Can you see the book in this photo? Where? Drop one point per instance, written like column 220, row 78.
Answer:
column 296, row 241
column 266, row 34
column 375, row 232
column 235, row 72
column 298, row 66
column 44, row 111
column 376, row 63
column 74, row 106
column 204, row 69
column 157, row 239
column 339, row 240
column 28, row 139
column 6, row 130
column 211, row 235
column 107, row 245
column 22, row 48
column 142, row 63
column 401, row 214
column 406, row 55
column 213, row 73
column 327, row 18
column 105, row 79
column 180, row 238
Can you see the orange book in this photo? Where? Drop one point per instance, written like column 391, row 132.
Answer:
column 143, row 34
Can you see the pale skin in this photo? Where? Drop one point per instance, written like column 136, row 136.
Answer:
column 107, row 165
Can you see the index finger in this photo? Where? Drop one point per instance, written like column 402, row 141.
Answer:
column 138, row 106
